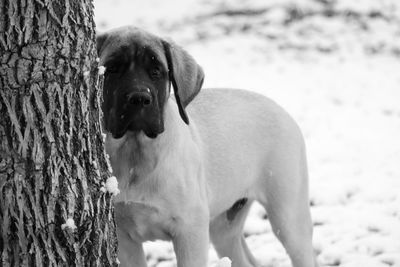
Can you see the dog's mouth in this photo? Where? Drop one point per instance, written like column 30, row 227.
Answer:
column 135, row 125
column 134, row 112
column 118, row 135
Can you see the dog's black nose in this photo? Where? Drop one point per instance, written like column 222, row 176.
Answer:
column 142, row 98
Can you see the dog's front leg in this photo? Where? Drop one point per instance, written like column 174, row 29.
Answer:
column 130, row 252
column 191, row 244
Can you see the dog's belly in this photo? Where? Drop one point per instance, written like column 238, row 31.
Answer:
column 142, row 221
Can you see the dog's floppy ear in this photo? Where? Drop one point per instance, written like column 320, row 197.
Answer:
column 100, row 38
column 185, row 74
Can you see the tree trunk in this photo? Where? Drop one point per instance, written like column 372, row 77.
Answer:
column 52, row 159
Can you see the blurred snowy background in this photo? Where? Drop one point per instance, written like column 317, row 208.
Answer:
column 335, row 66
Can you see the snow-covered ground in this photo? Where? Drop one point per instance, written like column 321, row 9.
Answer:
column 335, row 66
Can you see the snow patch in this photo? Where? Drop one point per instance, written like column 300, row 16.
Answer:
column 69, row 223
column 331, row 256
column 255, row 226
column 102, row 70
column 112, row 185
column 223, row 262
column 159, row 250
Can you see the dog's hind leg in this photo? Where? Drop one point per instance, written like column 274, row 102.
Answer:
column 286, row 201
column 226, row 232
column 292, row 226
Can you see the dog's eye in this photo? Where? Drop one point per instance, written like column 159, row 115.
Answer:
column 155, row 73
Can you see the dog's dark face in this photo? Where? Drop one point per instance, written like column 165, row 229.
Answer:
column 139, row 69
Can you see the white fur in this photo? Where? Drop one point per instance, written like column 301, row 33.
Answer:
column 178, row 186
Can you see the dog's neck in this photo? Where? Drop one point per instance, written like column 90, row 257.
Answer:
column 135, row 156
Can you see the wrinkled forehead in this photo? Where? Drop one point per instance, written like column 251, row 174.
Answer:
column 132, row 43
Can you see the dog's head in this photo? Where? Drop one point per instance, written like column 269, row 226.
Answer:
column 139, row 70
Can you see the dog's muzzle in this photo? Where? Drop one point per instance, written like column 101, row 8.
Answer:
column 136, row 110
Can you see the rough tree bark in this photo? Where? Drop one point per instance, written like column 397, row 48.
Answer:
column 52, row 161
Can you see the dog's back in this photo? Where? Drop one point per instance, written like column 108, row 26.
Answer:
column 246, row 138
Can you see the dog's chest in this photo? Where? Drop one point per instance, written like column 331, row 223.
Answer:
column 144, row 221
column 150, row 205
column 142, row 209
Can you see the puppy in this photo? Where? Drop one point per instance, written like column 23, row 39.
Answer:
column 189, row 165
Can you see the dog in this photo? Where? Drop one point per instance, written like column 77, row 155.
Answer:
column 190, row 164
